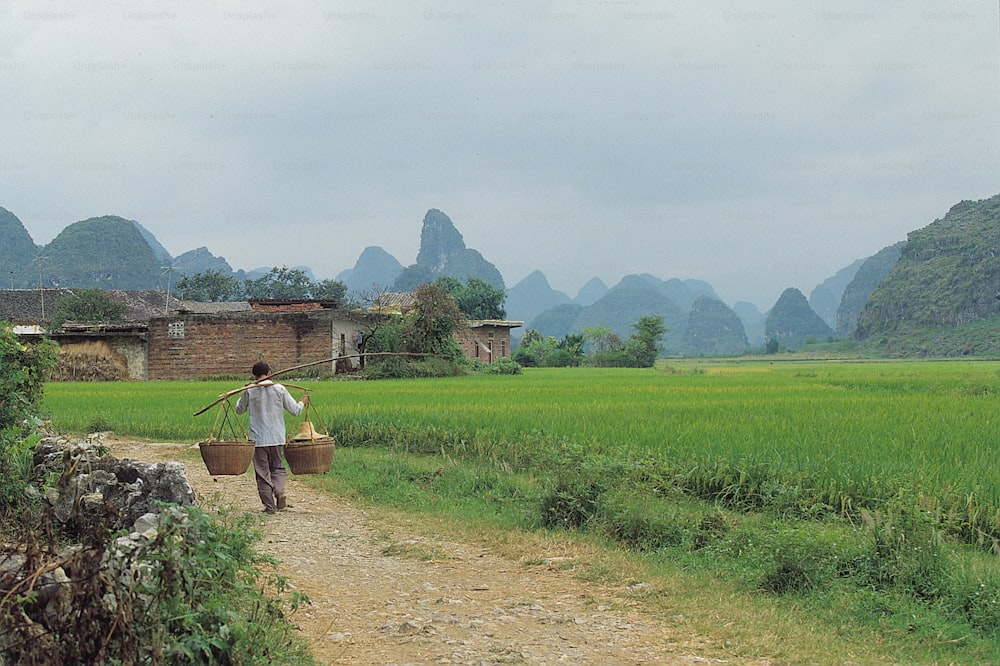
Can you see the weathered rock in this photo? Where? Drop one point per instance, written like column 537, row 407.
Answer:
column 97, row 487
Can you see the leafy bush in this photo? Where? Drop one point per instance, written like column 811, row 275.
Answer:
column 90, row 305
column 642, row 523
column 398, row 367
column 576, row 496
column 24, row 367
column 425, row 332
column 798, row 558
column 503, row 366
column 536, row 351
column 388, row 337
column 17, row 466
column 194, row 593
column 572, row 502
column 428, row 328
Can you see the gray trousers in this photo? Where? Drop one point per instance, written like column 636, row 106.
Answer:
column 269, row 468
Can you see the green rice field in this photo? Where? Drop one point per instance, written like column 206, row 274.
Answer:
column 829, row 436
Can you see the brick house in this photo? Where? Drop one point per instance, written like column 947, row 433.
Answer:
column 166, row 338
column 486, row 340
column 284, row 333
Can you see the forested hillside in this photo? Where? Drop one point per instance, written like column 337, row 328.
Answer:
column 942, row 297
column 792, row 322
column 868, row 277
column 104, row 253
column 17, row 253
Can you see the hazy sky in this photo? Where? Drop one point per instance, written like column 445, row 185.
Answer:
column 755, row 145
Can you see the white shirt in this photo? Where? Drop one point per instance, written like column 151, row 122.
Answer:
column 267, row 421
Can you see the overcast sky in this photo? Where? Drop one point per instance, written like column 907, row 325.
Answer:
column 754, row 145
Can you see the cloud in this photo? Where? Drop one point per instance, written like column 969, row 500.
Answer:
column 753, row 147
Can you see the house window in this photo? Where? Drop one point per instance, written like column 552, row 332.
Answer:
column 175, row 329
column 503, row 349
column 343, row 344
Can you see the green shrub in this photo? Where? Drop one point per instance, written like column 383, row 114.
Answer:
column 643, row 523
column 801, row 557
column 570, row 503
column 204, row 594
column 193, row 593
column 24, row 367
column 18, row 471
column 575, row 497
column 710, row 529
column 503, row 366
column 399, row 367
column 906, row 551
column 973, row 593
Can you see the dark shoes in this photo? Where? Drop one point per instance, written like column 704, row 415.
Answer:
column 281, row 504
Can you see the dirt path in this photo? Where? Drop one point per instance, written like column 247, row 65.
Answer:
column 373, row 604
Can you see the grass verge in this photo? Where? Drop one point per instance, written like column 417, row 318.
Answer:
column 753, row 585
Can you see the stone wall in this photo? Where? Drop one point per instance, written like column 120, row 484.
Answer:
column 184, row 346
column 133, row 348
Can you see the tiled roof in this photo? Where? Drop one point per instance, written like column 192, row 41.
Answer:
column 198, row 307
column 29, row 306
column 499, row 323
column 291, row 305
column 26, row 306
column 389, row 302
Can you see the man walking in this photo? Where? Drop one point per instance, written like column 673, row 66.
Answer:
column 267, row 402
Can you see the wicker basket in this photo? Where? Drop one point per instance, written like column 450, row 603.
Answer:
column 227, row 454
column 226, row 457
column 310, row 457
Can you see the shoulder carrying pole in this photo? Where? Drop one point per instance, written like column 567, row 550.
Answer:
column 229, row 394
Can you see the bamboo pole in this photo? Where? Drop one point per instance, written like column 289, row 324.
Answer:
column 250, row 385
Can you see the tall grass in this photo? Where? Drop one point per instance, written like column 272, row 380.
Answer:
column 809, row 437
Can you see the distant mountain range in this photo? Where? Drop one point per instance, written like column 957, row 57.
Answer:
column 934, row 293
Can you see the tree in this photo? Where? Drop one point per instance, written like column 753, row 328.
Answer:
column 639, row 351
column 533, row 350
column 602, row 338
column 430, row 326
column 477, row 298
column 209, row 287
column 292, row 283
column 645, row 344
column 329, row 290
column 281, row 283
column 570, row 349
column 91, row 305
column 549, row 352
column 532, row 335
